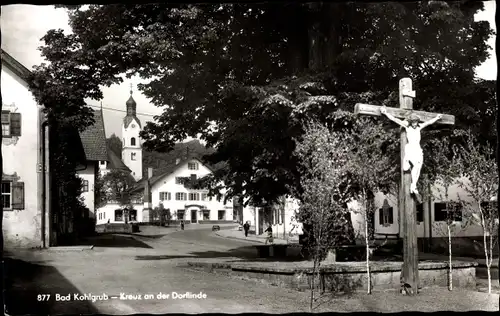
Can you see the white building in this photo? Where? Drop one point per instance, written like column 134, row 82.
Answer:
column 25, row 154
column 132, row 149
column 193, row 206
column 431, row 220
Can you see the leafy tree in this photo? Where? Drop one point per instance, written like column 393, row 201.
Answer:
column 119, row 184
column 162, row 215
column 66, row 186
column 100, row 191
column 114, row 143
column 480, row 182
column 323, row 162
column 233, row 72
column 371, row 170
column 447, row 174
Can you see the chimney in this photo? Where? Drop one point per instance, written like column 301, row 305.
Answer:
column 150, row 173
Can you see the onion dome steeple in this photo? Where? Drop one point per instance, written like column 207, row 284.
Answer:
column 131, row 110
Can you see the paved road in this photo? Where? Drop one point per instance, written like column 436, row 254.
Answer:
column 156, row 264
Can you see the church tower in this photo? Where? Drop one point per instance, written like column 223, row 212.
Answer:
column 132, row 151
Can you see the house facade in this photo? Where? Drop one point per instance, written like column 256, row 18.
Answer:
column 431, row 219
column 25, row 154
column 186, row 204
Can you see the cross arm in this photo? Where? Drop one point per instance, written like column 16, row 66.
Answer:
column 374, row 110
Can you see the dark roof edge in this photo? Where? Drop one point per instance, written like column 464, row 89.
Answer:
column 18, row 68
column 104, row 130
column 160, row 176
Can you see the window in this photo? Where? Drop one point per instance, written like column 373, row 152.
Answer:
column 178, row 180
column 132, row 156
column 180, row 196
column 5, row 123
column 102, row 162
column 420, row 212
column 6, row 195
column 193, row 166
column 11, row 124
column 132, row 141
column 194, row 196
column 206, row 215
column 118, row 215
column 132, row 215
column 386, row 217
column 13, row 195
column 85, row 186
column 444, row 211
column 193, row 178
column 204, row 197
column 165, row 196
column 222, row 214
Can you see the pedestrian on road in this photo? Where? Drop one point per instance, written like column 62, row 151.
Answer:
column 269, row 232
column 182, row 225
column 246, row 228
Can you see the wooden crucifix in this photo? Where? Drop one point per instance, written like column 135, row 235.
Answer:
column 412, row 123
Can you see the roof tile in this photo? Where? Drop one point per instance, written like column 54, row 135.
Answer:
column 94, row 139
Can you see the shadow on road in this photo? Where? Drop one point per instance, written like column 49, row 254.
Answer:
column 119, row 241
column 25, row 281
column 245, row 253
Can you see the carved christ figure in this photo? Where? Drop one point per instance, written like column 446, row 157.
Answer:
column 413, row 154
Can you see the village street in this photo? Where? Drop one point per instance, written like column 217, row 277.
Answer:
column 120, row 265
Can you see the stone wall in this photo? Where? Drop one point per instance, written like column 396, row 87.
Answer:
column 346, row 278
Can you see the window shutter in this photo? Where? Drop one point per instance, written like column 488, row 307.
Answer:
column 380, row 217
column 391, row 215
column 159, row 195
column 18, row 195
column 5, row 117
column 15, row 124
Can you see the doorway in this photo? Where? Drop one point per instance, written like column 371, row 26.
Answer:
column 194, row 217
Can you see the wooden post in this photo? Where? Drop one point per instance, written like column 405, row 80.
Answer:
column 406, row 205
column 406, row 202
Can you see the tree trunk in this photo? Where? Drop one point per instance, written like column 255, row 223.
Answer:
column 367, row 242
column 450, row 271
column 485, row 246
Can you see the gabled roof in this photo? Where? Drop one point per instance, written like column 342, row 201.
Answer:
column 168, row 169
column 115, row 163
column 15, row 66
column 94, row 139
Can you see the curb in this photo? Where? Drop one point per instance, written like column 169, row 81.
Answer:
column 238, row 238
column 71, row 248
column 247, row 240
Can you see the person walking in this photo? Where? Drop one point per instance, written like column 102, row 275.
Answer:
column 182, row 225
column 246, row 228
column 269, row 232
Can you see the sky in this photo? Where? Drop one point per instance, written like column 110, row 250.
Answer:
column 23, row 26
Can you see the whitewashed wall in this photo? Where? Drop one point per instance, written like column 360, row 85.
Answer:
column 107, row 212
column 22, row 228
column 167, row 184
column 134, row 165
column 461, row 229
column 89, row 197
